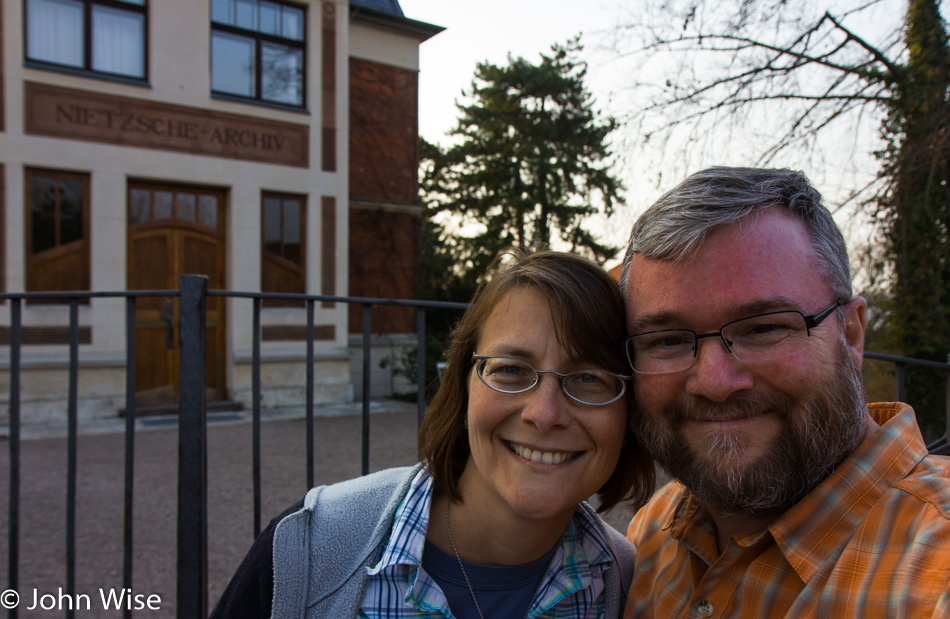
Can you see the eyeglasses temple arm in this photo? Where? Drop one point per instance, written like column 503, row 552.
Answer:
column 815, row 319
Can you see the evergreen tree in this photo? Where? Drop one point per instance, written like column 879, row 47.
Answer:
column 530, row 165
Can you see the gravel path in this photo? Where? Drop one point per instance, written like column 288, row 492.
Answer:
column 230, row 500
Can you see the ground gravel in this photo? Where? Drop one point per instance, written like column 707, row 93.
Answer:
column 99, row 528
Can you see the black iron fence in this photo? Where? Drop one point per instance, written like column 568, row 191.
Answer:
column 941, row 445
column 192, row 422
column 191, row 567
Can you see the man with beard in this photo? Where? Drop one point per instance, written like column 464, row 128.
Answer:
column 791, row 496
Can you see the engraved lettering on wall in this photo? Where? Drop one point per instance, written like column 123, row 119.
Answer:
column 75, row 114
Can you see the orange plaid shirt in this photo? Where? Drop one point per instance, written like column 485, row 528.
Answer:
column 871, row 540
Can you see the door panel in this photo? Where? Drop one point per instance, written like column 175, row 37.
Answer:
column 164, row 242
column 199, row 256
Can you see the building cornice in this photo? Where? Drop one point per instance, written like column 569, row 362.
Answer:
column 399, row 25
column 365, row 204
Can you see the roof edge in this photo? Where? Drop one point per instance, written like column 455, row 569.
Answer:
column 400, row 25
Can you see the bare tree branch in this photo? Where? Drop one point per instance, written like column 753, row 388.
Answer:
column 895, row 70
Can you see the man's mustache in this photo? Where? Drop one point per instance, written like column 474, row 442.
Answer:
column 738, row 406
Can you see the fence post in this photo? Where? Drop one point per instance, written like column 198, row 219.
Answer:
column 367, row 370
column 900, row 379
column 192, row 452
column 128, row 500
column 256, row 418
column 13, row 523
column 72, row 449
column 420, row 364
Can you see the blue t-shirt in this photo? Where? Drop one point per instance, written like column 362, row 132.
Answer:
column 502, row 591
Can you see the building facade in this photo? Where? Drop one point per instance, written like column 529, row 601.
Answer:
column 271, row 145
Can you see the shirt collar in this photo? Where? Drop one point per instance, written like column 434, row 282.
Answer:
column 583, row 554
column 692, row 524
column 829, row 512
column 813, row 531
column 410, row 522
column 584, row 550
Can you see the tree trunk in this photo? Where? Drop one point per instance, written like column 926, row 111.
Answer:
column 919, row 239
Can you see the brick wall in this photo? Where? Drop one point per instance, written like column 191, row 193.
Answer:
column 382, row 264
column 384, row 156
column 384, row 135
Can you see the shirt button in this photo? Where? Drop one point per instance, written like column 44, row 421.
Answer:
column 705, row 608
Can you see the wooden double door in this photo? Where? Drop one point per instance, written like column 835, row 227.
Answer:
column 174, row 230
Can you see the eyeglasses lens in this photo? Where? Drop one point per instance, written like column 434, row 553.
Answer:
column 592, row 386
column 758, row 338
column 762, row 338
column 514, row 376
column 507, row 375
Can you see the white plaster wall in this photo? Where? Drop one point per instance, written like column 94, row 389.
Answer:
column 45, row 390
column 283, row 381
column 177, row 75
column 342, row 194
column 383, row 382
column 367, row 43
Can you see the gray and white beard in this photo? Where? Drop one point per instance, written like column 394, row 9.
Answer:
column 818, row 431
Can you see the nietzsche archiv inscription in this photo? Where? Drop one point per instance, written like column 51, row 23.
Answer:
column 81, row 115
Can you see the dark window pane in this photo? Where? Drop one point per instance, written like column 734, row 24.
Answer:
column 140, row 207
column 270, row 18
column 292, row 252
column 118, row 41
column 43, row 213
column 232, row 64
column 163, row 205
column 291, row 221
column 292, row 231
column 246, row 14
column 271, row 224
column 282, row 79
column 55, row 31
column 292, row 23
column 70, row 211
column 208, row 211
column 221, row 11
column 187, row 206
column 247, row 65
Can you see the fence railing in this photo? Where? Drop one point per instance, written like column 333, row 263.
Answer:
column 191, row 567
column 940, row 446
column 191, row 578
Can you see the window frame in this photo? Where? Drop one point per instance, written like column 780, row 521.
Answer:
column 174, row 217
column 34, row 261
column 259, row 40
column 87, row 69
column 280, row 261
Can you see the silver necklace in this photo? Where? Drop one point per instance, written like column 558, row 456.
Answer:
column 465, row 575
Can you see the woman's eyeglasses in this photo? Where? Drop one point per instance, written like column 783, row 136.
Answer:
column 509, row 375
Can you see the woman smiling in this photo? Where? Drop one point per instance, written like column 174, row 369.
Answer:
column 530, row 420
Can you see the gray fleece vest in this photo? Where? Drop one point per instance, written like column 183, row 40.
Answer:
column 321, row 552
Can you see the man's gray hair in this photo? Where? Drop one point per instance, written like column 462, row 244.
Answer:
column 678, row 223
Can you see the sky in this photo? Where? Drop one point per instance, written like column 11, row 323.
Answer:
column 490, row 30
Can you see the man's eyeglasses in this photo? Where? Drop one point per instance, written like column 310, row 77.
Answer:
column 762, row 337
column 509, row 375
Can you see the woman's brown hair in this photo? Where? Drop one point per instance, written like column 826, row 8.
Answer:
column 589, row 323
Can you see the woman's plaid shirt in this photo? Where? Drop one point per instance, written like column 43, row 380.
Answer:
column 399, row 588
